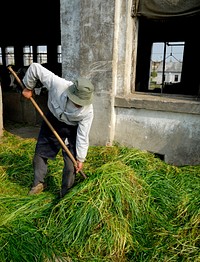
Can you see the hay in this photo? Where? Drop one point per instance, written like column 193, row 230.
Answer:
column 132, row 207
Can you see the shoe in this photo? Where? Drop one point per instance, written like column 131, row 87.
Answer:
column 36, row 189
column 63, row 192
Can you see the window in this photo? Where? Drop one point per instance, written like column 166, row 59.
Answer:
column 166, row 56
column 176, row 78
column 27, row 55
column 59, row 51
column 42, row 54
column 9, row 54
column 166, row 67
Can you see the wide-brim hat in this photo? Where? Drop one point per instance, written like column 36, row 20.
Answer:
column 81, row 92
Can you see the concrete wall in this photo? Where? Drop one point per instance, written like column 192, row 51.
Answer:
column 167, row 126
column 174, row 136
column 87, row 48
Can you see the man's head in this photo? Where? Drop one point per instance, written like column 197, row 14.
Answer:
column 81, row 92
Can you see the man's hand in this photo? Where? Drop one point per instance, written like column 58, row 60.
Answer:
column 27, row 93
column 79, row 166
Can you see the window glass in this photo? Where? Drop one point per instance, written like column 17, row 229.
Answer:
column 9, row 53
column 42, row 54
column 27, row 55
column 166, row 66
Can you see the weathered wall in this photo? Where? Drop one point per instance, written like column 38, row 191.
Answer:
column 167, row 126
column 175, row 136
column 87, row 30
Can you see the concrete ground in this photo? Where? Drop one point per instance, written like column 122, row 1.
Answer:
column 23, row 131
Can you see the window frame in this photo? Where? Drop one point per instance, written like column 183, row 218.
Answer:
column 151, row 31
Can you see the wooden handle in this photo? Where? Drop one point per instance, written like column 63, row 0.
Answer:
column 47, row 122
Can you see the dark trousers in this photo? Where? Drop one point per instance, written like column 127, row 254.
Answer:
column 48, row 146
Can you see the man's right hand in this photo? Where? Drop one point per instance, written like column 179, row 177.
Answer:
column 79, row 166
column 27, row 93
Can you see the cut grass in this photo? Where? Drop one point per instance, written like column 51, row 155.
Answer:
column 132, row 207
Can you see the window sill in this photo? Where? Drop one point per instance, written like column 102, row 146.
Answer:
column 161, row 102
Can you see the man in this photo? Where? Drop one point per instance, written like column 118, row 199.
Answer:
column 70, row 114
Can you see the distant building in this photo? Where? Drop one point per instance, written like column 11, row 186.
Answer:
column 172, row 73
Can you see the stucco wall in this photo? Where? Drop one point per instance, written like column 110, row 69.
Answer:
column 167, row 126
column 175, row 136
column 87, row 48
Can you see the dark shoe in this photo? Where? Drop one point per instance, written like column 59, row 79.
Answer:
column 63, row 192
column 36, row 189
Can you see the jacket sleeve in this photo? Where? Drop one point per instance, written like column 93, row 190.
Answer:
column 82, row 140
column 37, row 72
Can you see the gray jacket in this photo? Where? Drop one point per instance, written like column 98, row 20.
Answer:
column 60, row 105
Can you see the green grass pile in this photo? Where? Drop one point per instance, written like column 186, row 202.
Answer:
column 132, row 207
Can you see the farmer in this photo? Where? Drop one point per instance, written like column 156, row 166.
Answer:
column 71, row 114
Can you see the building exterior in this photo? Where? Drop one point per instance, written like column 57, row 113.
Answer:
column 100, row 40
column 110, row 42
column 172, row 73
